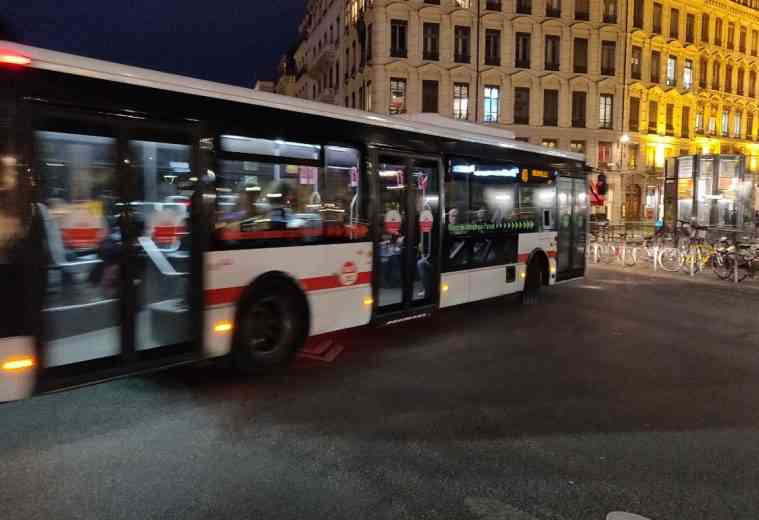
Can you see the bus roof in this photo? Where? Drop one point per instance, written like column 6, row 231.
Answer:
column 436, row 125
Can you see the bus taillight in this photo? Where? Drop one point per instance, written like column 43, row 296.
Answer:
column 14, row 59
column 18, row 363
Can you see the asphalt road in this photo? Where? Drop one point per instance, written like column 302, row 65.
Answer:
column 620, row 392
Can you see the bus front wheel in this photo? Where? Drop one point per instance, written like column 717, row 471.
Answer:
column 534, row 280
column 272, row 324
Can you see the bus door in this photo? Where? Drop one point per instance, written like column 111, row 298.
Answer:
column 573, row 211
column 407, row 271
column 116, row 228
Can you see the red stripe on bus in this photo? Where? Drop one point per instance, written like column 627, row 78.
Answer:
column 329, row 231
column 318, row 283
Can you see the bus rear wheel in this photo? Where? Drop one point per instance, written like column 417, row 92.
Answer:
column 271, row 326
column 534, row 280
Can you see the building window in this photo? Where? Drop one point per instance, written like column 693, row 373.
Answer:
column 702, row 66
column 493, row 5
column 553, row 54
column 690, row 27
column 725, row 123
column 604, row 153
column 353, row 100
column 577, row 147
column 731, row 35
column 754, row 42
column 492, row 104
column 582, row 11
column 742, row 40
column 430, row 96
column 656, row 26
column 671, row 71
column 752, row 84
column 579, row 109
column 715, row 75
column 369, row 32
column 492, row 47
column 705, row 28
column 610, row 11
column 465, row 4
column 737, row 124
column 653, row 116
column 638, row 14
column 712, row 130
column 655, row 66
column 581, row 56
column 633, row 124
column 522, row 54
column 674, row 24
column 461, row 44
column 688, row 74
column 608, row 58
column 553, row 8
column 431, row 41
column 549, row 143
column 635, row 65
column 461, row 100
column 633, row 150
column 750, row 126
column 398, row 38
column 397, row 96
column 521, row 105
column 369, row 97
column 670, row 119
column 700, row 121
column 728, row 78
column 606, row 113
column 524, row 6
column 741, row 81
column 685, row 122
column 718, row 31
column 550, row 107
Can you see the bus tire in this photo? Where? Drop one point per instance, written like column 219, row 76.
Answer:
column 271, row 325
column 537, row 276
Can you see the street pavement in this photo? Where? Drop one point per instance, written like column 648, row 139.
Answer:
column 620, row 392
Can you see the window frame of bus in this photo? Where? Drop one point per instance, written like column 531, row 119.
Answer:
column 221, row 155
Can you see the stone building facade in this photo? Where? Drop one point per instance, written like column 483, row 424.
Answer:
column 626, row 82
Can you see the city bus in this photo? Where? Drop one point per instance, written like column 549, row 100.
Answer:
column 149, row 219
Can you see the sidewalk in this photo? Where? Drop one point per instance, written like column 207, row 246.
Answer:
column 706, row 277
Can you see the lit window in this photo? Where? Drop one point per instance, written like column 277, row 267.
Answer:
column 606, row 110
column 492, row 104
column 725, row 122
column 577, row 146
column 737, row 124
column 550, row 143
column 461, row 100
column 688, row 74
column 671, row 71
column 397, row 96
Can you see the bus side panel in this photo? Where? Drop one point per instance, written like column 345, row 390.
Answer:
column 336, row 279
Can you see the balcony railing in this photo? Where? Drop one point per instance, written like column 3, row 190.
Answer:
column 431, row 55
column 493, row 60
column 578, row 123
column 551, row 65
column 522, row 64
column 553, row 12
column 610, row 18
column 607, row 71
column 582, row 15
column 462, row 58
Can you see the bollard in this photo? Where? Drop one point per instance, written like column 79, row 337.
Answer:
column 735, row 269
column 656, row 257
column 692, row 264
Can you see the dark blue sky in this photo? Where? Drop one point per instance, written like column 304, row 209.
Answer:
column 222, row 40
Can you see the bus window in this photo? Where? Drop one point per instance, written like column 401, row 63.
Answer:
column 10, row 208
column 161, row 218
column 294, row 196
column 78, row 210
column 538, row 204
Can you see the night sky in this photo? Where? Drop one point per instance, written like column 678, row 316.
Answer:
column 222, row 40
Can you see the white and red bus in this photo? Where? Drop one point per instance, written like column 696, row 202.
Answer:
column 149, row 219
